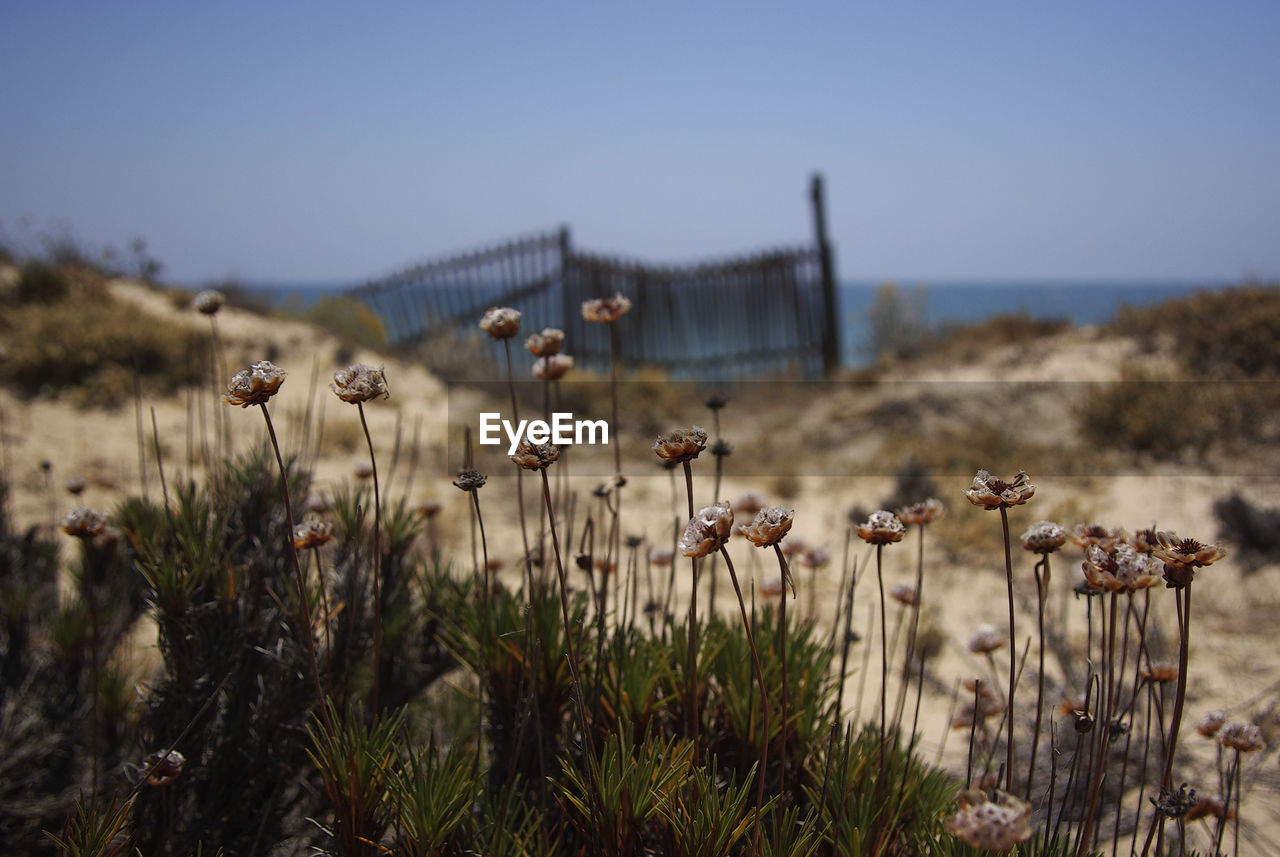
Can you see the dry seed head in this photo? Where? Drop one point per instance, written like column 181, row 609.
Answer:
column 75, row 486
column 428, row 509
column 208, row 302
column 1245, row 737
column 360, row 383
column 255, row 385
column 84, row 523
column 553, row 367
column 660, row 556
column 1211, row 723
column 1096, row 534
column 995, row 823
column 1144, row 541
column 606, row 310
column 750, row 502
column 815, row 557
column 535, row 456
column 681, row 445
column 1186, row 553
column 882, row 528
column 1210, row 805
column 924, row 512
column 162, row 769
column 707, row 531
column 312, row 534
column 904, row 593
column 362, row 470
column 501, row 322
column 1174, row 804
column 545, row 344
column 1160, row 672
column 991, row 493
column 1120, row 570
column 1044, row 537
column 470, row 480
column 769, row 526
column 986, row 639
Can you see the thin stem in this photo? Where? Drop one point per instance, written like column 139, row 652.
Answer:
column 785, row 571
column 1041, row 585
column 691, row 705
column 884, row 658
column 1013, row 653
column 377, row 566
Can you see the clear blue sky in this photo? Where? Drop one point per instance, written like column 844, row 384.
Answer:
column 329, row 141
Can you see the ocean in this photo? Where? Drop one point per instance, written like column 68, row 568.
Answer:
column 940, row 302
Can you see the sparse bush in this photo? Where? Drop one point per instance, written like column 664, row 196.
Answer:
column 354, row 323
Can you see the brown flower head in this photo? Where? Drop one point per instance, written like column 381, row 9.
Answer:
column 362, row 470
column 882, row 528
column 1244, row 737
column 977, row 707
column 208, row 301
column 1174, row 804
column 1211, row 723
column 1160, row 672
column 75, row 486
column 750, row 502
column 162, row 769
column 769, row 526
column 428, row 509
column 986, row 639
column 84, row 523
column 815, row 557
column 545, row 344
column 1096, row 534
column 606, row 310
column 924, row 512
column 469, row 480
column 1144, row 541
column 312, row 534
column 1182, row 557
column 1210, row 805
column 501, row 322
column 995, row 823
column 553, row 367
column 535, row 456
column 905, row 594
column 360, row 383
column 255, row 385
column 1044, row 537
column 681, row 445
column 660, row 556
column 707, row 531
column 992, row 493
column 1120, row 570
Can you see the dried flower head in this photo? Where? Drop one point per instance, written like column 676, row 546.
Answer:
column 535, row 456
column 84, row 523
column 1211, row 723
column 553, row 367
column 1182, row 557
column 721, row 448
column 208, row 301
column 904, row 593
column 1096, row 534
column 1245, row 737
column 750, row 502
column 107, row 539
column 501, row 322
column 707, row 531
column 986, row 639
column 882, row 528
column 75, row 486
column 316, row 504
column 428, row 509
column 160, row 769
column 995, row 823
column 360, row 383
column 606, row 310
column 681, row 445
column 1044, row 537
column 312, row 534
column 1174, row 804
column 815, row 557
column 992, row 493
column 924, row 512
column 1160, row 672
column 469, row 480
column 1210, row 805
column 545, row 344
column 769, row 526
column 255, row 385
column 362, row 470
column 1120, row 570
column 774, row 586
column 1144, row 541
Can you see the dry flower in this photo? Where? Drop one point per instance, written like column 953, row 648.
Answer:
column 84, row 523
column 1211, row 723
column 986, row 639
column 750, row 502
column 162, row 769
column 501, row 322
column 1121, row 570
column 606, row 310
column 904, row 593
column 1161, row 672
column 469, row 480
column 815, row 557
column 769, row 526
column 553, row 367
column 362, row 470
column 773, row 587
column 1144, row 541
column 428, row 509
column 107, row 539
column 312, row 534
column 545, row 344
column 992, row 493
column 535, row 456
column 1245, row 737
column 1096, row 534
column 995, row 823
column 1044, row 537
column 1174, row 804
column 75, row 486
column 208, row 301
column 660, row 556
column 721, row 448
column 924, row 512
column 882, row 528
column 1182, row 557
column 707, row 531
column 255, row 385
column 360, row 383
column 681, row 445
column 1210, row 805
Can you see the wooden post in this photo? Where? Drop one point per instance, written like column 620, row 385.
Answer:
column 831, row 314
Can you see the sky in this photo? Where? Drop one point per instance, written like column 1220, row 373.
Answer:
column 318, row 141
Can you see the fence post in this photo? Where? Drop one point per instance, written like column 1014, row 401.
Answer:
column 831, row 309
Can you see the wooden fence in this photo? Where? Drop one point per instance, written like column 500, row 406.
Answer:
column 760, row 314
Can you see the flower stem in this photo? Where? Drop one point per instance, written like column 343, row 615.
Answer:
column 1013, row 653
column 377, row 566
column 691, row 705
